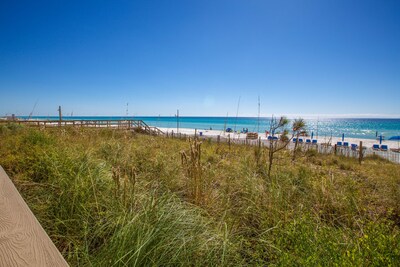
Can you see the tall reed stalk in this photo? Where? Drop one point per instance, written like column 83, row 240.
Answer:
column 191, row 162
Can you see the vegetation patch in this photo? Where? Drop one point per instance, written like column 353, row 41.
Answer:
column 111, row 198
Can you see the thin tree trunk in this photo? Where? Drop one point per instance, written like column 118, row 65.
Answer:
column 295, row 147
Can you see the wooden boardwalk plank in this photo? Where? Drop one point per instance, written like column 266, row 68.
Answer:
column 23, row 242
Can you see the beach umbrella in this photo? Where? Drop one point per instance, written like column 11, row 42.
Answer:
column 312, row 135
column 380, row 139
column 395, row 137
column 342, row 137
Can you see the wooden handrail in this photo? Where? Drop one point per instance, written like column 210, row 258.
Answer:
column 23, row 242
column 119, row 124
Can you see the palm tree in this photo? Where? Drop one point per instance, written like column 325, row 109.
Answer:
column 298, row 126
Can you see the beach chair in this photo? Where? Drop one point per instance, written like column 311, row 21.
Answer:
column 269, row 137
column 275, row 138
column 308, row 141
column 314, row 141
column 346, row 144
column 375, row 147
column 301, row 140
column 339, row 143
column 384, row 148
column 294, row 140
column 354, row 146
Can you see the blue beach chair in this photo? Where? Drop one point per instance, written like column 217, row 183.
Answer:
column 339, row 143
column 294, row 140
column 375, row 147
column 314, row 141
column 300, row 140
column 384, row 147
column 308, row 141
column 354, row 146
column 346, row 144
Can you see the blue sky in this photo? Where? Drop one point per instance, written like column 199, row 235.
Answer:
column 300, row 57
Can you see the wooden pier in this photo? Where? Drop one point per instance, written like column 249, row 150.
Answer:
column 23, row 242
column 134, row 125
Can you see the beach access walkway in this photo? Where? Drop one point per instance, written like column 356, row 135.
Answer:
column 135, row 125
column 23, row 242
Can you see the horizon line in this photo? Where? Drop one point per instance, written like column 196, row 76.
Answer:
column 321, row 116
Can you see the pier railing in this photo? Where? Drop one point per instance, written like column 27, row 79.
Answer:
column 138, row 125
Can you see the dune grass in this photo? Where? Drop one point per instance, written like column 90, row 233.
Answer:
column 114, row 198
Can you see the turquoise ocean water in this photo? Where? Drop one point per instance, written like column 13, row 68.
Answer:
column 354, row 128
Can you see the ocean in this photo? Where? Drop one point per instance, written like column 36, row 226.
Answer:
column 353, row 128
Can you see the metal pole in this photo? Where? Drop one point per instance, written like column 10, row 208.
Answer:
column 59, row 115
column 177, row 121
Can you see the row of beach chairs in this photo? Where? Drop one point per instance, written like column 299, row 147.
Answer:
column 301, row 141
column 382, row 147
column 355, row 146
column 346, row 144
column 339, row 144
column 307, row 141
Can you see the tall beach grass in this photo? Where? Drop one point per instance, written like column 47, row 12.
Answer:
column 114, row 198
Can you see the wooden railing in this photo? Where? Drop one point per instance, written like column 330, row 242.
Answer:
column 23, row 242
column 115, row 124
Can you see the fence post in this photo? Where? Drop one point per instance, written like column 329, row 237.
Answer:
column 335, row 149
column 361, row 153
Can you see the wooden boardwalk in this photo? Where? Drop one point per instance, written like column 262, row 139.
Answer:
column 23, row 242
column 134, row 125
